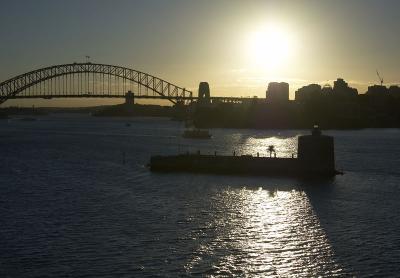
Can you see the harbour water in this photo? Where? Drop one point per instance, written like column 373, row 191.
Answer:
column 76, row 199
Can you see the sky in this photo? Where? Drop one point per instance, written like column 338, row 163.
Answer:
column 236, row 46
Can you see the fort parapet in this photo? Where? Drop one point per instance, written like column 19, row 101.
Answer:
column 315, row 158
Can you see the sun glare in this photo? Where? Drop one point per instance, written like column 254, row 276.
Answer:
column 270, row 47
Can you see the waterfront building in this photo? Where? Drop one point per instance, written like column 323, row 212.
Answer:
column 277, row 92
column 377, row 90
column 309, row 92
column 327, row 90
column 394, row 91
column 342, row 89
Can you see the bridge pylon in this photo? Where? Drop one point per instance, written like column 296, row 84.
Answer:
column 130, row 98
column 204, row 93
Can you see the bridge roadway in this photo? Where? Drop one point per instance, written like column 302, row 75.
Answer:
column 89, row 95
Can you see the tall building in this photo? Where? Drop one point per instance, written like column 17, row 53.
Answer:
column 377, row 90
column 394, row 91
column 309, row 92
column 342, row 89
column 340, row 84
column 277, row 92
column 327, row 90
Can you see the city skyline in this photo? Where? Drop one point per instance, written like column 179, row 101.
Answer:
column 220, row 42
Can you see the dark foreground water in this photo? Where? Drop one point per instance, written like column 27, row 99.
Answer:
column 70, row 206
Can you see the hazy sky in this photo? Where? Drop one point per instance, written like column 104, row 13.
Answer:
column 188, row 41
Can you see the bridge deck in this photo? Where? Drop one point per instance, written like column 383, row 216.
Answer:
column 121, row 96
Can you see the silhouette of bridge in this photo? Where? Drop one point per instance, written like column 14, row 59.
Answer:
column 92, row 80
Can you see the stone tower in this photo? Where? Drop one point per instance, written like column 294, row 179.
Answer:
column 316, row 153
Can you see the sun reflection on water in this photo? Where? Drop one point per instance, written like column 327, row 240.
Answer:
column 264, row 233
column 284, row 146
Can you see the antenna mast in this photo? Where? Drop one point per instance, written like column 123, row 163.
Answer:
column 380, row 78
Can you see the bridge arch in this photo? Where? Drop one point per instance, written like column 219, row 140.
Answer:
column 12, row 87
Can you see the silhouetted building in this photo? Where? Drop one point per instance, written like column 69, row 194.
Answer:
column 339, row 106
column 342, row 89
column 204, row 93
column 377, row 90
column 327, row 90
column 277, row 92
column 309, row 92
column 394, row 91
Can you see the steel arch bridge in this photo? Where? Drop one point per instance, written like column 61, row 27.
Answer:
column 80, row 80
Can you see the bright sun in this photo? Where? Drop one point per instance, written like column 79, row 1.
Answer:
column 270, row 47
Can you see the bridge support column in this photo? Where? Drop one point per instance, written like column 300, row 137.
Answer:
column 130, row 98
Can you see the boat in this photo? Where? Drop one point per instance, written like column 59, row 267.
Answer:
column 196, row 134
column 315, row 158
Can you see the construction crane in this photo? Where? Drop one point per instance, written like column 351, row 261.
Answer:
column 380, row 78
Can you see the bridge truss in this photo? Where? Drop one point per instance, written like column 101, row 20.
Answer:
column 90, row 80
